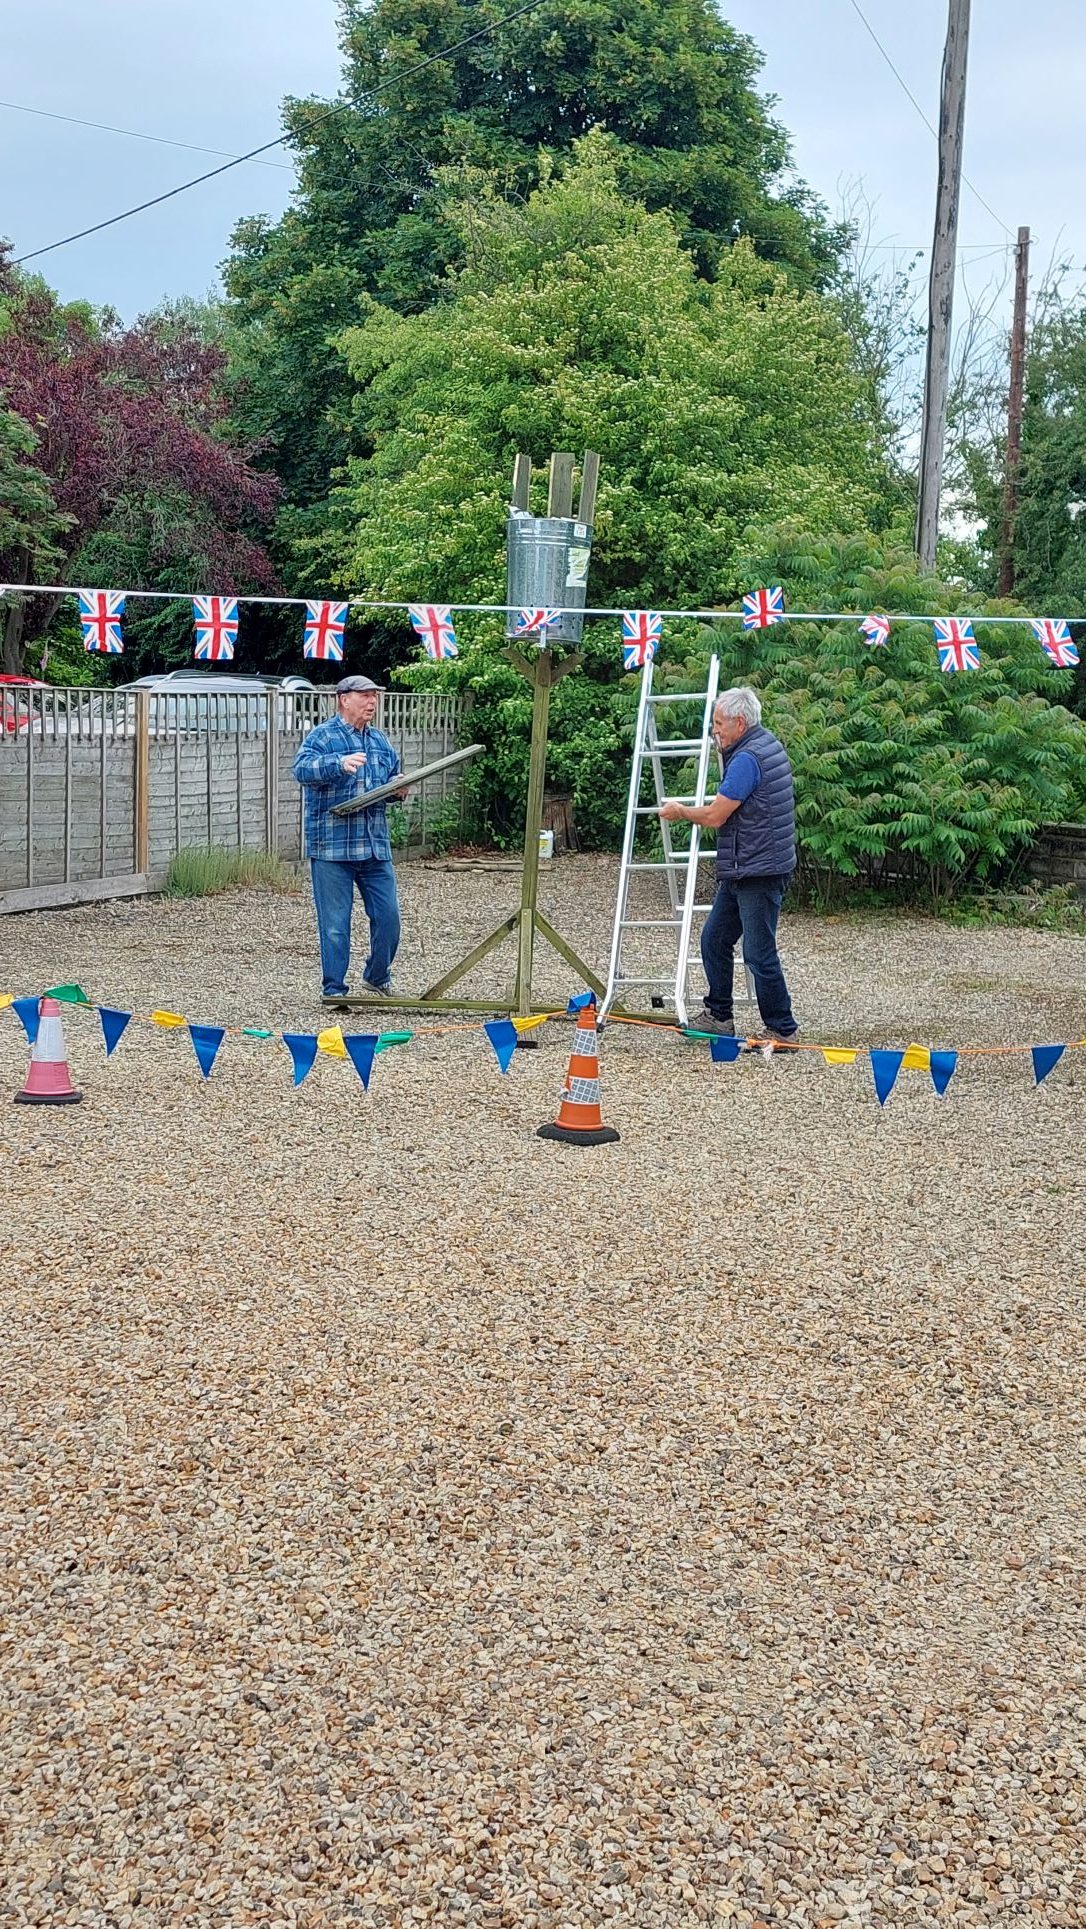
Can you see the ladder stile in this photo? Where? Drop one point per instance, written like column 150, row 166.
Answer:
column 690, row 894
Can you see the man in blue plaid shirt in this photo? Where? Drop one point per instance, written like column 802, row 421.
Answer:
column 337, row 760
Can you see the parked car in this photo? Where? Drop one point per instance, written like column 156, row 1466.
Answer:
column 220, row 700
column 17, row 714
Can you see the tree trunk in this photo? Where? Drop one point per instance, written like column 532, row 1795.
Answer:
column 12, row 652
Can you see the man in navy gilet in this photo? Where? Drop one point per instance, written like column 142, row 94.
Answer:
column 754, row 817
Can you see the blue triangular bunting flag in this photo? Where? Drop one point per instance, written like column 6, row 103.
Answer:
column 113, row 1026
column 27, row 1012
column 360, row 1047
column 302, row 1046
column 725, row 1050
column 206, row 1040
column 943, row 1067
column 1044, row 1058
column 581, row 1002
column 502, row 1034
column 885, row 1067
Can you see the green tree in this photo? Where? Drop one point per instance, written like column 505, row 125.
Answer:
column 905, row 776
column 672, row 82
column 578, row 320
column 1050, row 534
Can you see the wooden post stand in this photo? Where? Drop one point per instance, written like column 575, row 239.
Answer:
column 542, row 670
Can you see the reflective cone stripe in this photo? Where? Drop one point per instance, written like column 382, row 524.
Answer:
column 48, row 1081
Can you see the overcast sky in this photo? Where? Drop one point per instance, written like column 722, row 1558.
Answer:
column 213, row 72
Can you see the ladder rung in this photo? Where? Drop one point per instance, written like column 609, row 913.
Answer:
column 622, row 979
column 650, row 924
column 684, row 696
column 680, row 863
column 673, row 747
column 653, row 810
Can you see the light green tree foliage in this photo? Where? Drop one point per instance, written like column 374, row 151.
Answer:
column 578, row 322
column 673, row 83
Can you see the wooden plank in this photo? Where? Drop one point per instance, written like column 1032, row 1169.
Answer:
column 54, row 897
column 522, row 481
column 142, row 799
column 560, row 491
column 590, row 476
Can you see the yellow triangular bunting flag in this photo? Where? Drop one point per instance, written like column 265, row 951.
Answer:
column 833, row 1056
column 331, row 1041
column 167, row 1019
column 917, row 1059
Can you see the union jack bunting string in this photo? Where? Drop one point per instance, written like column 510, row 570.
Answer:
column 954, row 641
column 433, row 623
column 763, row 607
column 541, row 620
column 641, row 632
column 216, row 620
column 1054, row 638
column 876, row 631
column 323, row 638
column 100, row 612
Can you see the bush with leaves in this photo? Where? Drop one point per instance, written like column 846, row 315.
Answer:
column 905, row 776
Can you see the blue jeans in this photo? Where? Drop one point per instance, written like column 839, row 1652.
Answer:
column 747, row 909
column 333, row 895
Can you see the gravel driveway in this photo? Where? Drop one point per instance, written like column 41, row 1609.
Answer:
column 408, row 1520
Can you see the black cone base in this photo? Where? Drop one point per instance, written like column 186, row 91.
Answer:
column 48, row 1098
column 577, row 1135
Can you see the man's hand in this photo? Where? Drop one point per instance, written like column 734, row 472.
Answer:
column 401, row 796
column 673, row 813
column 354, row 762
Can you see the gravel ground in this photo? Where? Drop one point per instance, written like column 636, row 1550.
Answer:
column 406, row 1519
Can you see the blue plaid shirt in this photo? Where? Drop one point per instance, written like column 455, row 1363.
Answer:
column 318, row 767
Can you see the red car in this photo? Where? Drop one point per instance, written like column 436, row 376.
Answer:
column 16, row 716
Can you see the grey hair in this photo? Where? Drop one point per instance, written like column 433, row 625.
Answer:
column 741, row 702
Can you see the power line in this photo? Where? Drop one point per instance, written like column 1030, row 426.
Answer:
column 103, row 127
column 341, row 107
column 906, row 89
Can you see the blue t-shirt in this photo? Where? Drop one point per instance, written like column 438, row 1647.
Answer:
column 744, row 774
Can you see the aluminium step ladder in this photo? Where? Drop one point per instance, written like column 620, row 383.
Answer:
column 680, row 867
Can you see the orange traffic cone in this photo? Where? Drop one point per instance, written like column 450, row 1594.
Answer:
column 580, row 1121
column 48, row 1081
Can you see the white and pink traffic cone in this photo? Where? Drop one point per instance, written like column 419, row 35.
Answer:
column 48, row 1081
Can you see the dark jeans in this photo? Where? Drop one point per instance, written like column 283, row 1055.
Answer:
column 747, row 909
column 333, row 895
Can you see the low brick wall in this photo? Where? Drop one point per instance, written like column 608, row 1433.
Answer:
column 1059, row 856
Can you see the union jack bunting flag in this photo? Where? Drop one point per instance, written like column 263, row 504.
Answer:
column 641, row 631
column 323, row 637
column 529, row 620
column 100, row 612
column 876, row 631
column 433, row 623
column 954, row 641
column 763, row 607
column 216, row 620
column 1054, row 638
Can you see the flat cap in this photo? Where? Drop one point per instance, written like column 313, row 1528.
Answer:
column 356, row 683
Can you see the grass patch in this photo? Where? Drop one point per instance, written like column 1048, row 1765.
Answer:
column 200, row 872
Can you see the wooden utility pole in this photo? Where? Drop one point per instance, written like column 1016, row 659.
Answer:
column 941, row 281
column 1014, row 413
